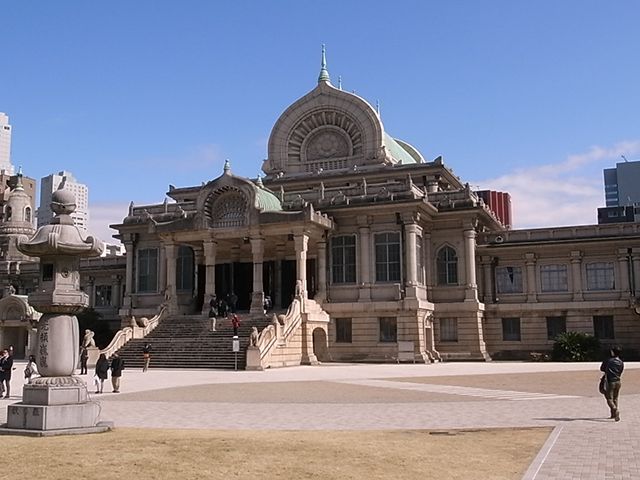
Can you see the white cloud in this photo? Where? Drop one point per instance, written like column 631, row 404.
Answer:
column 558, row 194
column 101, row 215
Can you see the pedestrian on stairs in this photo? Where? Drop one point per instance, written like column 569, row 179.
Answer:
column 213, row 312
column 146, row 356
column 235, row 323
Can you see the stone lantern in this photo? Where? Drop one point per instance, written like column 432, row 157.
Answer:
column 57, row 401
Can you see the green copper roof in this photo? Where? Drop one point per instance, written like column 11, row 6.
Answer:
column 267, row 201
column 397, row 151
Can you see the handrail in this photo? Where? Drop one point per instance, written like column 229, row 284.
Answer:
column 125, row 334
column 272, row 334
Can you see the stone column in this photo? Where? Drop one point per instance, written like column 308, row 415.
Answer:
column 170, row 250
column 321, row 295
column 576, row 274
column 530, row 265
column 210, row 250
column 198, row 256
column 622, row 279
column 363, row 258
column 428, row 261
column 115, row 290
column 487, row 274
column 162, row 272
column 129, row 247
column 91, row 291
column 301, row 241
column 471, row 293
column 411, row 234
column 412, row 231
column 277, row 288
column 257, row 297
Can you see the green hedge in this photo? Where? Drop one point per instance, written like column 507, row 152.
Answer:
column 576, row 347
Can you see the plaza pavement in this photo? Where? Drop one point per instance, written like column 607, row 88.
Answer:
column 584, row 444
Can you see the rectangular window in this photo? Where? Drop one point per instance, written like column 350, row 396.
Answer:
column 147, row 270
column 511, row 330
column 509, row 279
column 448, row 329
column 343, row 259
column 553, row 278
column 387, row 257
column 603, row 327
column 343, row 330
column 556, row 326
column 388, row 329
column 600, row 276
column 103, row 295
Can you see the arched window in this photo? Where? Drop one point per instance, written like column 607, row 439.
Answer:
column 7, row 216
column 27, row 214
column 447, row 264
column 230, row 210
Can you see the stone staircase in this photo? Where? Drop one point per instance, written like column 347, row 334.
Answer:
column 186, row 341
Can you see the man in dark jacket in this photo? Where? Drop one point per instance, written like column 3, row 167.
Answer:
column 6, row 367
column 117, row 366
column 612, row 369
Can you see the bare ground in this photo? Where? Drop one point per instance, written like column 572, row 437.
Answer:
column 146, row 454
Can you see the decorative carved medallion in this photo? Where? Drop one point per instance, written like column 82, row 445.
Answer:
column 327, row 144
column 323, row 135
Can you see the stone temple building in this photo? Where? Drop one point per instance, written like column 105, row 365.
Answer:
column 373, row 250
column 381, row 246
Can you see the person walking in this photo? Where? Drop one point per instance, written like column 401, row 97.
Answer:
column 146, row 356
column 117, row 366
column 612, row 369
column 6, row 367
column 213, row 312
column 31, row 370
column 235, row 323
column 102, row 371
column 84, row 358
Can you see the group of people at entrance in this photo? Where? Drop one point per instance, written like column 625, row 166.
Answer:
column 224, row 308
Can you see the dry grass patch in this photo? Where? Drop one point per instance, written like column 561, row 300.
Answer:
column 146, row 454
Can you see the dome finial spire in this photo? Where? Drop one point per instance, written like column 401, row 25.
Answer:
column 324, row 73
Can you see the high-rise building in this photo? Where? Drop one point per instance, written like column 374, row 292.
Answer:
column 50, row 184
column 622, row 184
column 5, row 144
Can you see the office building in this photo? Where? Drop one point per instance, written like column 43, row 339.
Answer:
column 50, row 184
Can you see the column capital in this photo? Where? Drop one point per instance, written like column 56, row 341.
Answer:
column 576, row 255
column 410, row 217
column 364, row 220
column 301, row 240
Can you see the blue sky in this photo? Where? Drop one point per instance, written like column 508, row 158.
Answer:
column 534, row 98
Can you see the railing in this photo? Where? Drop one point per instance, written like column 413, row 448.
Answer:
column 275, row 334
column 135, row 331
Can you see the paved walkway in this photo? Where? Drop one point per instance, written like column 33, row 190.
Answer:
column 585, row 444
